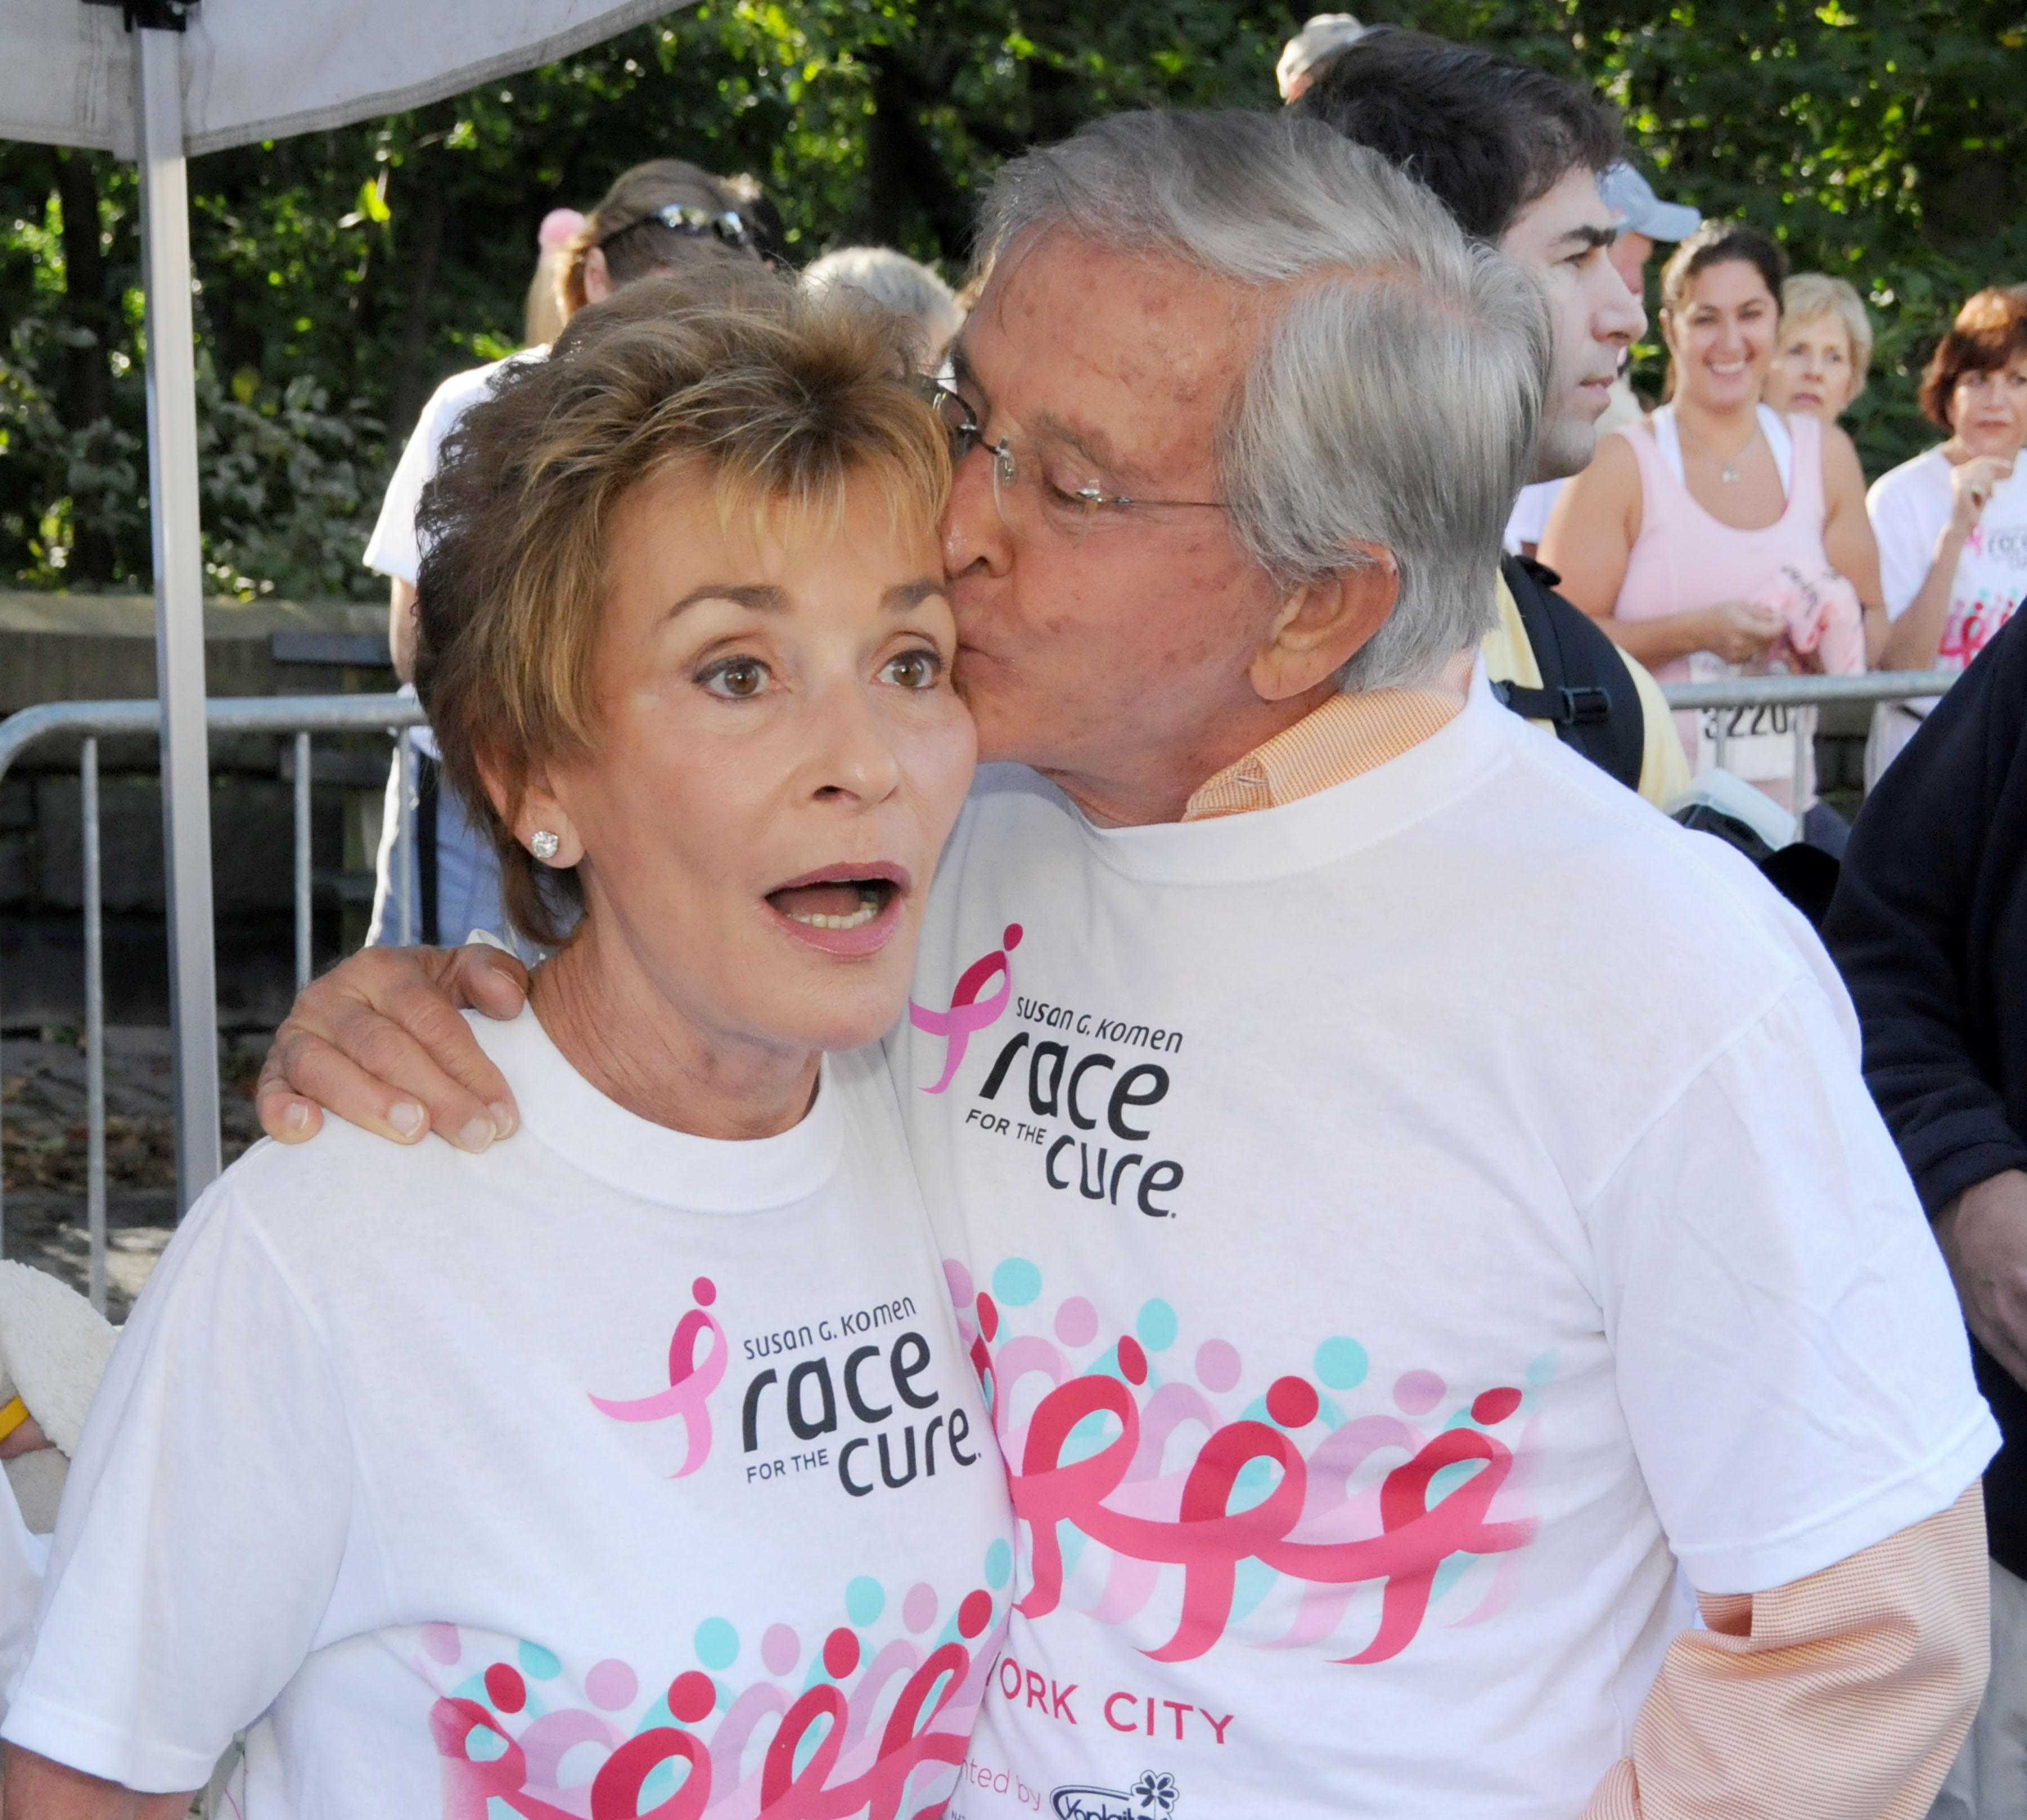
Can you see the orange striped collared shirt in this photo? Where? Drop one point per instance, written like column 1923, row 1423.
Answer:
column 1348, row 736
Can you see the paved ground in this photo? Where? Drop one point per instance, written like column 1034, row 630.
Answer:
column 41, row 1142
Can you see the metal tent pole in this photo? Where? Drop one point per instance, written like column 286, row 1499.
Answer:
column 172, row 496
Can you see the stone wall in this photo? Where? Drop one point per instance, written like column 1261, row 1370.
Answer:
column 92, row 647
column 101, row 648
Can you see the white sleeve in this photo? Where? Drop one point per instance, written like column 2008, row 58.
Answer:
column 203, row 1526
column 1530, row 516
column 23, row 1559
column 392, row 550
column 1906, row 542
column 1790, row 1355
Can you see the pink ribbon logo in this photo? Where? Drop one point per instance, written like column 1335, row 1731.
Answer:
column 691, row 1382
column 968, row 1014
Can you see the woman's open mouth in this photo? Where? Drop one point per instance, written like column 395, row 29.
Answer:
column 845, row 910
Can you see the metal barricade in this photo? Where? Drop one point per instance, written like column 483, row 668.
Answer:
column 301, row 715
column 1743, row 695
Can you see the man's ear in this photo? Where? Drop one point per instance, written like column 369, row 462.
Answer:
column 1324, row 624
column 538, row 811
column 597, row 276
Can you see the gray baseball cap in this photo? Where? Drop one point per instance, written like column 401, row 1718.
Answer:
column 1631, row 197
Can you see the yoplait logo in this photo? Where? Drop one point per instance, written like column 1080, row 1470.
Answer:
column 1153, row 1796
column 969, row 1014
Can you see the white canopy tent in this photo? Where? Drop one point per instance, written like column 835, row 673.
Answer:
column 156, row 81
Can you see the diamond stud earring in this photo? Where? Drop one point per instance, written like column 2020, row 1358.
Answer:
column 543, row 844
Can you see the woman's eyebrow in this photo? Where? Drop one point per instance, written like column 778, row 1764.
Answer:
column 905, row 596
column 764, row 597
column 755, row 596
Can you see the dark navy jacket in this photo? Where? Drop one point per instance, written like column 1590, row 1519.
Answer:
column 1929, row 926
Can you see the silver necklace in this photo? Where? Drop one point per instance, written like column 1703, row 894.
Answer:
column 1728, row 472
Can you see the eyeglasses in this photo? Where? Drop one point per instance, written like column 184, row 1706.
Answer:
column 725, row 225
column 1033, row 491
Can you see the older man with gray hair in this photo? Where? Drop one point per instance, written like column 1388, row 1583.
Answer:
column 1417, row 1212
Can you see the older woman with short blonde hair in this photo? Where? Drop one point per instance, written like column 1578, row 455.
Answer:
column 1822, row 350
column 635, row 1462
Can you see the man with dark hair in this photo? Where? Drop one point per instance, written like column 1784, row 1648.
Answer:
column 1516, row 157
column 1491, row 136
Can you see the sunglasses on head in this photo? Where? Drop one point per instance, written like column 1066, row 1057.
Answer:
column 725, row 225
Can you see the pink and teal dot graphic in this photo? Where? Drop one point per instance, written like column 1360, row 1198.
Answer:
column 1337, row 1501
column 869, row 1716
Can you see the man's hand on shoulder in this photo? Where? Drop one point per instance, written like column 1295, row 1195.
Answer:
column 379, row 1041
column 1984, row 1236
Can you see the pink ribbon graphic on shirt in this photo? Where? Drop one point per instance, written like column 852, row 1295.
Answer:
column 473, row 1785
column 819, row 1765
column 967, row 1016
column 1208, row 1539
column 690, row 1383
column 910, row 1739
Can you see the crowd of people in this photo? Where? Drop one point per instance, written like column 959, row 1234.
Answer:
column 1096, row 1161
column 1725, row 532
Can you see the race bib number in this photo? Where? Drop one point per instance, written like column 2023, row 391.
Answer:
column 1758, row 743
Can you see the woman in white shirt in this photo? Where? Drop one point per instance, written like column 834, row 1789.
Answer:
column 1952, row 523
column 637, row 1461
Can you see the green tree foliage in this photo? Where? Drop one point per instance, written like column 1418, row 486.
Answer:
column 1883, row 142
column 342, row 275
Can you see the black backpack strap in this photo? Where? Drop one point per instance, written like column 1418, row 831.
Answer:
column 429, row 795
column 1587, row 693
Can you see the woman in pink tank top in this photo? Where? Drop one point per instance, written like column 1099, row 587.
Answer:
column 1718, row 537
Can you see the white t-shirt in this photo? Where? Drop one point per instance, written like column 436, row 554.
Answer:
column 467, row 872
column 398, row 1457
column 392, row 549
column 1404, row 1224
column 1529, row 516
column 1909, row 507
